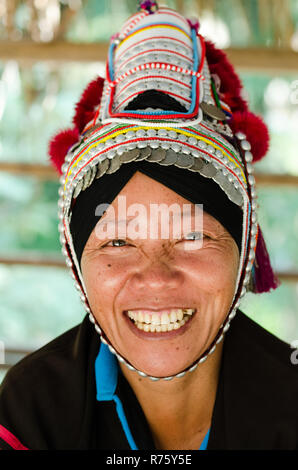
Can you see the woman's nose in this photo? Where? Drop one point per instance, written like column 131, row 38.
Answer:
column 157, row 275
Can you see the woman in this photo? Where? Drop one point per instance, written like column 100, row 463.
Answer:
column 167, row 128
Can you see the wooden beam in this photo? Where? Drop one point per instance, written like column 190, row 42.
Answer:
column 273, row 60
column 40, row 171
column 57, row 51
column 270, row 179
column 264, row 59
column 34, row 259
column 46, row 172
column 37, row 259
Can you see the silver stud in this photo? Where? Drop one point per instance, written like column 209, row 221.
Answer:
column 240, row 135
column 162, row 133
column 176, row 147
column 151, row 133
column 245, row 145
column 253, row 217
column 193, row 368
column 154, row 144
column 141, row 144
column 202, row 144
column 173, row 134
column 193, row 141
column 141, row 133
column 165, row 145
column 251, row 179
column 248, row 156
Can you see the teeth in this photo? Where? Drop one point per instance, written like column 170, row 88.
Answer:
column 140, row 317
column 165, row 320
column 156, row 322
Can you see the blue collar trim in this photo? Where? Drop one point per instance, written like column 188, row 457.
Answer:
column 106, row 377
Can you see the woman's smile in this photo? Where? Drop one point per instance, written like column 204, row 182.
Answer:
column 158, row 324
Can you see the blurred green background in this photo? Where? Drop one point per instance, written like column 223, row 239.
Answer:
column 37, row 98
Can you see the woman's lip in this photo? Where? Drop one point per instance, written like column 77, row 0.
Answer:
column 157, row 310
column 162, row 335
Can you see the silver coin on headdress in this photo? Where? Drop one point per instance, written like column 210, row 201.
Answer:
column 115, row 164
column 157, row 155
column 129, row 156
column 170, row 158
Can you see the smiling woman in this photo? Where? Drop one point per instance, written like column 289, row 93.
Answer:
column 158, row 363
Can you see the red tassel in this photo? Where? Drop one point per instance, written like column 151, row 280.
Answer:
column 264, row 278
column 59, row 146
column 86, row 107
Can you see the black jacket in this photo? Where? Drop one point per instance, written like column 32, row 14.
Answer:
column 48, row 400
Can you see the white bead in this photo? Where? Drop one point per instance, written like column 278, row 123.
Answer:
column 248, row 156
column 245, row 145
column 249, row 168
column 240, row 135
column 251, row 179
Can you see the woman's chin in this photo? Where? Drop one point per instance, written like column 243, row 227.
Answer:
column 160, row 369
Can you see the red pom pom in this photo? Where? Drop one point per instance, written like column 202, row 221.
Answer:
column 59, row 146
column 86, row 107
column 255, row 130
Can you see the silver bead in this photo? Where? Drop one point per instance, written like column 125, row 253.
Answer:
column 251, row 179
column 253, row 217
column 243, row 292
column 245, row 145
column 162, row 133
column 249, row 168
column 176, row 147
column 193, row 368
column 240, row 135
column 202, row 144
column 151, row 133
column 248, row 156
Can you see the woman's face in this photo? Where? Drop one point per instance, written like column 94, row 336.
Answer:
column 139, row 288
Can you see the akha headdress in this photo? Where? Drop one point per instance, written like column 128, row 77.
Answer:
column 159, row 57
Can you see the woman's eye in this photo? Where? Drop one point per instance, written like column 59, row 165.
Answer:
column 116, row 243
column 194, row 236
